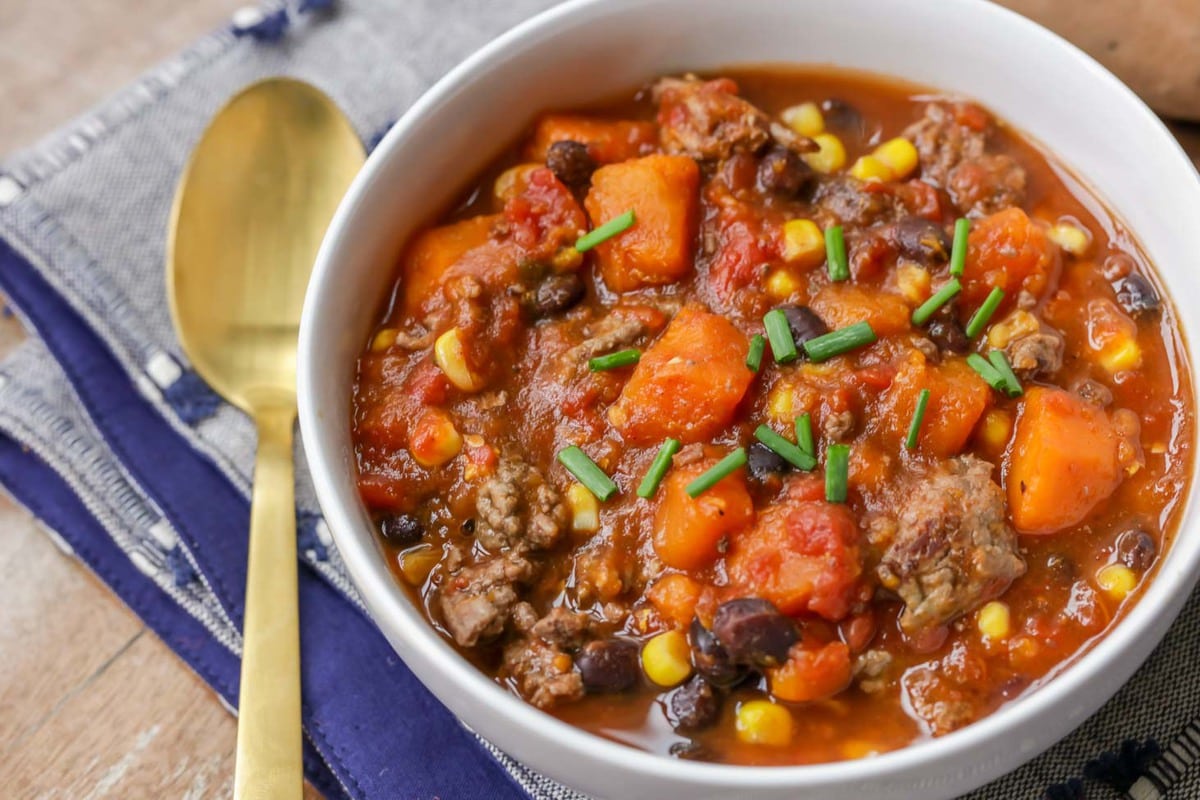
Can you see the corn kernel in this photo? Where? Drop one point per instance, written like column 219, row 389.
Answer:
column 434, row 440
column 803, row 243
column 1072, row 238
column 451, row 358
column 1117, row 580
column 913, row 282
column 782, row 284
column 994, row 620
column 899, row 156
column 417, row 562
column 585, row 509
column 666, row 659
column 1120, row 356
column 383, row 340
column 763, row 722
column 1015, row 325
column 512, row 181
column 780, row 402
column 566, row 259
column 805, row 119
column 870, row 168
column 996, row 429
column 830, row 157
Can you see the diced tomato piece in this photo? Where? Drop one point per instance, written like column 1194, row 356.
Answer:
column 383, row 493
column 608, row 141
column 687, row 529
column 813, row 671
column 688, row 384
column 957, row 399
column 544, row 216
column 1011, row 251
column 802, row 556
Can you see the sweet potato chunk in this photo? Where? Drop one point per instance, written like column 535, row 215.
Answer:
column 608, row 140
column 1064, row 461
column 662, row 192
column 840, row 305
column 813, row 671
column 957, row 399
column 1009, row 250
column 688, row 384
column 687, row 529
column 436, row 250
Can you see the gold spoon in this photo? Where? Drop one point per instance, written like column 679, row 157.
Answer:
column 252, row 206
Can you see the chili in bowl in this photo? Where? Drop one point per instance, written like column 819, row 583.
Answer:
column 771, row 417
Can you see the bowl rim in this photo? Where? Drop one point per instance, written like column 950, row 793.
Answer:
column 1167, row 591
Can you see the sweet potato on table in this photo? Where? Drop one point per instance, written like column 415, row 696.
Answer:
column 957, row 399
column 608, row 140
column 1064, row 461
column 687, row 529
column 1011, row 251
column 662, row 191
column 688, row 384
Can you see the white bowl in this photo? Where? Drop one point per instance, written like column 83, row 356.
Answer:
column 587, row 49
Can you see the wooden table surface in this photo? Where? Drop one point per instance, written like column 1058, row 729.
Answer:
column 92, row 705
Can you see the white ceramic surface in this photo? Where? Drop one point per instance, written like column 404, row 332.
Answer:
column 590, row 48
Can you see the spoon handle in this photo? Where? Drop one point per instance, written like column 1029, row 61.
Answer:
column 269, row 743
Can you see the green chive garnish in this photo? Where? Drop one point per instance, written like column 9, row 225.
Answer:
column 711, row 476
column 983, row 314
column 835, row 254
column 1012, row 385
column 914, row 427
column 986, row 371
column 939, row 299
column 958, row 252
column 605, row 232
column 586, row 472
column 780, row 335
column 784, row 449
column 754, row 358
column 658, row 469
column 837, row 472
column 804, row 435
column 621, row 358
column 834, row 343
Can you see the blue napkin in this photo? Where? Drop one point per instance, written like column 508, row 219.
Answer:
column 108, row 437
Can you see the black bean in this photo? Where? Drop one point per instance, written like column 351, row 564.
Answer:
column 401, row 529
column 754, row 632
column 553, row 295
column 782, row 171
column 691, row 751
column 1137, row 296
column 711, row 660
column 571, row 163
column 693, row 706
column 1136, row 549
column 922, row 241
column 1093, row 392
column 608, row 665
column 844, row 117
column 947, row 332
column 1062, row 569
column 804, row 323
column 764, row 462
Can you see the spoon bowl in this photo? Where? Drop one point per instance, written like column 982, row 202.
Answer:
column 251, row 210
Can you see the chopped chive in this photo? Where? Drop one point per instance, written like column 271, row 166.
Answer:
column 986, row 371
column 754, row 358
column 837, row 472
column 958, row 251
column 835, row 254
column 711, row 476
column 658, row 468
column 983, row 314
column 781, row 447
column 586, row 472
column 1012, row 385
column 780, row 335
column 914, row 427
column 804, row 434
column 939, row 299
column 621, row 358
column 605, row 232
column 843, row 340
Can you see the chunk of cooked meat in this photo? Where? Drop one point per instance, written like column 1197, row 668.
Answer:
column 708, row 121
column 539, row 664
column 1036, row 354
column 837, row 425
column 613, row 331
column 477, row 600
column 869, row 669
column 518, row 507
column 951, row 139
column 942, row 706
column 562, row 627
column 849, row 201
column 950, row 549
